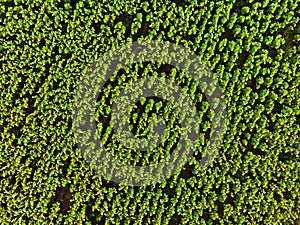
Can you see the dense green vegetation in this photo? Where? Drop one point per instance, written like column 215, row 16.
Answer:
column 253, row 48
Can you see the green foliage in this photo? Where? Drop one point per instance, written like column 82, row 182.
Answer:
column 252, row 47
